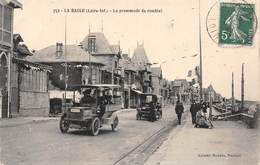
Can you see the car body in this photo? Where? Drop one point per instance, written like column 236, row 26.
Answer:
column 150, row 107
column 97, row 106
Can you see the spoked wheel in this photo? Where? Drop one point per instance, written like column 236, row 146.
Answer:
column 95, row 126
column 115, row 124
column 64, row 124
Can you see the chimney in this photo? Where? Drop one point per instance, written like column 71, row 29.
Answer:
column 59, row 49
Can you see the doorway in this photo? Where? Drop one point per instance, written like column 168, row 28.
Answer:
column 3, row 86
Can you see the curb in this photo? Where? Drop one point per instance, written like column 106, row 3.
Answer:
column 42, row 120
column 33, row 121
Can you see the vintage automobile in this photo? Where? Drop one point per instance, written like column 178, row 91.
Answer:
column 97, row 106
column 150, row 107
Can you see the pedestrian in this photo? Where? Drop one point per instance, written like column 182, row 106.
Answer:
column 179, row 109
column 193, row 111
column 204, row 107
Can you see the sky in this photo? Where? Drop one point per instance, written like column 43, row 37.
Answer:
column 170, row 34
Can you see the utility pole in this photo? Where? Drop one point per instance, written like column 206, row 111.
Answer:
column 90, row 69
column 65, row 59
column 200, row 51
column 242, row 88
column 232, row 98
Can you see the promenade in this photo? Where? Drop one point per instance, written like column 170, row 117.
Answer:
column 229, row 142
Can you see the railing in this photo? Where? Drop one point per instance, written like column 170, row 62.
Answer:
column 249, row 120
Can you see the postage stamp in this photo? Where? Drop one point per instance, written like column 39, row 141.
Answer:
column 236, row 23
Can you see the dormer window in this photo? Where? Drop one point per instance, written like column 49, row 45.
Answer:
column 59, row 49
column 92, row 44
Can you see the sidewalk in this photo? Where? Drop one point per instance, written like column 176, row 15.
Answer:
column 227, row 143
column 13, row 122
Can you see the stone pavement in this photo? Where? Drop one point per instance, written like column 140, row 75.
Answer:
column 227, row 143
column 12, row 122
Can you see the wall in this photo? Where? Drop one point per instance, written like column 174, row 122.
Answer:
column 33, row 95
column 14, row 90
column 156, row 85
column 37, row 106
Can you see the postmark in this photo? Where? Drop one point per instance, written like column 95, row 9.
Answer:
column 232, row 24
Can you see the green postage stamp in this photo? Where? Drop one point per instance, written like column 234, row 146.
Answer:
column 236, row 24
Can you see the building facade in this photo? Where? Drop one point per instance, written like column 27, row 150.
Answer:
column 98, row 46
column 144, row 73
column 6, row 53
column 71, row 65
column 131, row 85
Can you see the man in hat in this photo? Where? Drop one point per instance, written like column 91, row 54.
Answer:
column 179, row 109
column 193, row 111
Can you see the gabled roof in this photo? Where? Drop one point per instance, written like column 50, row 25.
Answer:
column 140, row 57
column 74, row 54
column 126, row 63
column 102, row 44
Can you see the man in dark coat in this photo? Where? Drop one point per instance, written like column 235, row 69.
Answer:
column 179, row 110
column 193, row 111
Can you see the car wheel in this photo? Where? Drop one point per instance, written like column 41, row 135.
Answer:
column 157, row 115
column 95, row 126
column 115, row 124
column 64, row 124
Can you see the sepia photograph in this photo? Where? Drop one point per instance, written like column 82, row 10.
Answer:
column 129, row 82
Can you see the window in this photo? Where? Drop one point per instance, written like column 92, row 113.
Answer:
column 59, row 47
column 92, row 44
column 1, row 16
column 94, row 76
column 7, row 18
column 5, row 23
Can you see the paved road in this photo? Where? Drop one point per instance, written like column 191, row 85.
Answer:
column 43, row 143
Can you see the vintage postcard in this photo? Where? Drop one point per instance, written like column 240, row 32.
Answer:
column 129, row 82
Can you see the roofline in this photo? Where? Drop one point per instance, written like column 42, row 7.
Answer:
column 96, row 85
column 52, row 62
column 16, row 4
column 39, row 65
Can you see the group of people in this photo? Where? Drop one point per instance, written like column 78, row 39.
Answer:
column 198, row 114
